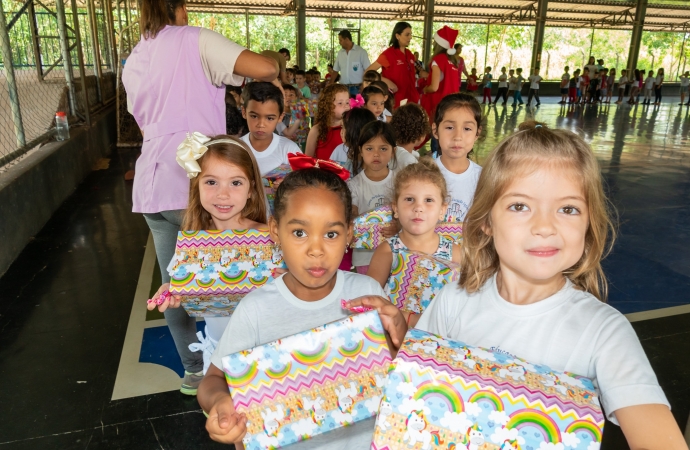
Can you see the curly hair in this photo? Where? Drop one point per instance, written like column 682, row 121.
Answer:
column 325, row 108
column 410, row 123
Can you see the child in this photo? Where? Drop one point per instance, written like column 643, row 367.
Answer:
column 486, row 81
column 533, row 243
column 684, row 83
column 502, row 87
column 584, row 85
column 565, row 81
column 411, row 126
column 610, row 81
column 372, row 186
column 263, row 109
column 374, row 101
column 603, row 85
column 388, row 98
column 457, row 126
column 512, row 83
column 290, row 75
column 517, row 98
column 622, row 82
column 593, row 92
column 353, row 122
column 312, row 225
column 419, row 202
column 637, row 84
column 658, row 82
column 472, row 85
column 572, row 87
column 648, row 87
column 235, row 125
column 534, row 80
column 301, row 84
column 225, row 193
column 324, row 136
column 369, row 77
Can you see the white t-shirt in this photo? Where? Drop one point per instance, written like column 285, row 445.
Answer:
column 565, row 80
column 534, row 79
column 520, row 81
column 684, row 81
column 649, row 82
column 272, row 312
column 570, row 331
column 622, row 82
column 368, row 195
column 503, row 80
column 275, row 154
column 659, row 79
column 403, row 158
column 512, row 83
column 339, row 155
column 461, row 188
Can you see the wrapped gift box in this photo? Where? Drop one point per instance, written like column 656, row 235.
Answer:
column 443, row 394
column 213, row 270
column 271, row 182
column 311, row 382
column 416, row 278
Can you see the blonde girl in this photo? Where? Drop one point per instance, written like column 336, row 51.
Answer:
column 419, row 202
column 324, row 136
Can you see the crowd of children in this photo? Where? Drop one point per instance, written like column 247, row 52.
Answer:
column 536, row 226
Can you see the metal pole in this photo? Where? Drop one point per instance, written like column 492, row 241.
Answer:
column 486, row 47
column 33, row 28
column 66, row 60
column 246, row 24
column 539, row 28
column 591, row 43
column 95, row 47
column 428, row 30
column 636, row 38
column 680, row 55
column 110, row 38
column 11, row 81
column 80, row 60
column 301, row 33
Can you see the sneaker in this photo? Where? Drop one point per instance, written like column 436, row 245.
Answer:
column 191, row 382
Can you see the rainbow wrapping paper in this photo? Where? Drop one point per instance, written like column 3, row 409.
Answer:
column 443, row 394
column 416, row 278
column 213, row 270
column 368, row 227
column 270, row 181
column 309, row 383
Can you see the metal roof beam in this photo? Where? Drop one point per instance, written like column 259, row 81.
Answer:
column 524, row 13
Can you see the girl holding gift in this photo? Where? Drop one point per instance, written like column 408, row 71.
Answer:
column 312, row 225
column 533, row 243
column 372, row 187
column 419, row 202
column 225, row 193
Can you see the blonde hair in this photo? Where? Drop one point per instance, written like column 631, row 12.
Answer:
column 235, row 152
column 425, row 170
column 522, row 153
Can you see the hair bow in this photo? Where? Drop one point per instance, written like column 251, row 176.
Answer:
column 301, row 161
column 191, row 149
column 356, row 102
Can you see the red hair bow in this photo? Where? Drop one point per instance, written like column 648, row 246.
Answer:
column 301, row 161
column 356, row 102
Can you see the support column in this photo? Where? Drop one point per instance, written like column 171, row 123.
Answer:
column 486, row 47
column 428, row 30
column 66, row 60
column 80, row 60
column 539, row 27
column 301, row 6
column 33, row 29
column 246, row 26
column 111, row 45
column 636, row 38
column 95, row 47
column 11, row 81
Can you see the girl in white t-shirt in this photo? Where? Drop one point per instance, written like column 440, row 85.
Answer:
column 226, row 193
column 372, row 187
column 532, row 285
column 312, row 226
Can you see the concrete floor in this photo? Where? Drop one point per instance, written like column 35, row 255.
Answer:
column 66, row 304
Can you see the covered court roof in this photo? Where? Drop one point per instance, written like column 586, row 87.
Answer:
column 661, row 15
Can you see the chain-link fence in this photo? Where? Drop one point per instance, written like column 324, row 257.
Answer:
column 56, row 55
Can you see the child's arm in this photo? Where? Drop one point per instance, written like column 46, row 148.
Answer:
column 292, row 130
column 391, row 319
column 170, row 301
column 380, row 265
column 223, row 424
column 312, row 138
column 637, row 421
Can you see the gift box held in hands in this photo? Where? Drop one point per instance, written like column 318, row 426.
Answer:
column 416, row 278
column 443, row 394
column 309, row 383
column 271, row 182
column 213, row 270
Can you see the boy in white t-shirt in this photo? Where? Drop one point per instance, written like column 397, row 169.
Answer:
column 565, row 81
column 263, row 109
column 622, row 82
column 534, row 80
column 648, row 87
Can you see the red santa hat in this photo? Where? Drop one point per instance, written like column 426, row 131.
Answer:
column 445, row 37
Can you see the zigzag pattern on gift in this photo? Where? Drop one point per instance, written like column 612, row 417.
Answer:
column 516, row 391
column 256, row 393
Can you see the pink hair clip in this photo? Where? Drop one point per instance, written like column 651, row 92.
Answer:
column 161, row 298
column 357, row 309
column 356, row 102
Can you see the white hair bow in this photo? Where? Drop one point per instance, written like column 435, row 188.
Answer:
column 189, row 151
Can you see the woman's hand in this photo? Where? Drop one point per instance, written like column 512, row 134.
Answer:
column 224, row 424
column 163, row 299
column 391, row 317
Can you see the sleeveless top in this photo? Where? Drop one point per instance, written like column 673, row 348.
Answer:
column 324, row 149
column 444, row 250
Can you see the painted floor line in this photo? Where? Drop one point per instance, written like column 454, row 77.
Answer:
column 133, row 378
column 658, row 313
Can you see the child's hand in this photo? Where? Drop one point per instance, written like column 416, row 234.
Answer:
column 391, row 318
column 163, row 299
column 391, row 230
column 275, row 273
column 224, row 424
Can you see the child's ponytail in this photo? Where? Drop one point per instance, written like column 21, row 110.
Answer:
column 156, row 14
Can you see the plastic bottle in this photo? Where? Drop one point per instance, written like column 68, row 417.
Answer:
column 61, row 126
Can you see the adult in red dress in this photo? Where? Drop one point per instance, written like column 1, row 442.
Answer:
column 398, row 65
column 443, row 79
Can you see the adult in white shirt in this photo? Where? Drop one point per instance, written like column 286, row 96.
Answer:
column 351, row 62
